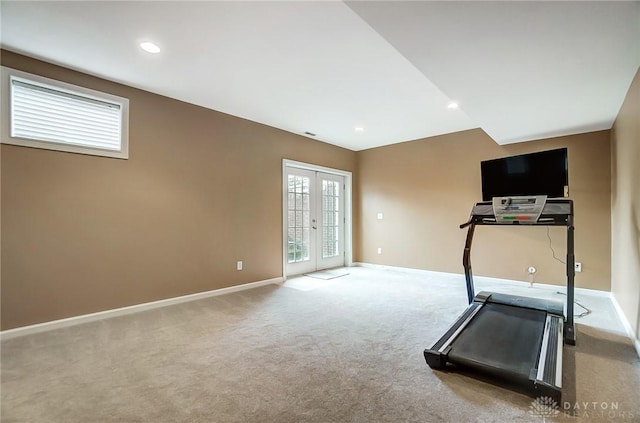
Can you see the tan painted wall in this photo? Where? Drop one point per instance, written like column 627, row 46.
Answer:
column 625, row 204
column 200, row 191
column 426, row 188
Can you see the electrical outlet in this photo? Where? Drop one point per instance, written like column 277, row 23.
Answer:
column 578, row 266
column 239, row 265
column 380, row 216
column 379, row 250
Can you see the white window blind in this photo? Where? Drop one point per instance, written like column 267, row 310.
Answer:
column 53, row 115
column 46, row 114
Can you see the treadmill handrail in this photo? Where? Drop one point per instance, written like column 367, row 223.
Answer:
column 467, row 223
column 556, row 212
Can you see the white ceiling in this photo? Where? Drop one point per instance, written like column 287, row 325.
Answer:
column 519, row 70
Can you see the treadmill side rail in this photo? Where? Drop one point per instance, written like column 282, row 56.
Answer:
column 436, row 354
column 548, row 379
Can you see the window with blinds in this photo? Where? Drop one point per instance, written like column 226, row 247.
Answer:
column 49, row 114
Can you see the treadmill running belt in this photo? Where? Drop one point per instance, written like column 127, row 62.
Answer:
column 501, row 337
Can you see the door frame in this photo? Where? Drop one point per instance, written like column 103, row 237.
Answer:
column 348, row 207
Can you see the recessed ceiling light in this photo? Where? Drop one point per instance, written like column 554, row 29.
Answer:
column 452, row 105
column 150, row 47
column 359, row 128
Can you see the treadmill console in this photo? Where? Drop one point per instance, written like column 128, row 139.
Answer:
column 518, row 210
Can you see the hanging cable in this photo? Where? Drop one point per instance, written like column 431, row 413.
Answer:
column 586, row 311
column 553, row 252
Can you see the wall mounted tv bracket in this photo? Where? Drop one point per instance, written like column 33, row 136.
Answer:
column 521, row 210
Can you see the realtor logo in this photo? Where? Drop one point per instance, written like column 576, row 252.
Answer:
column 544, row 407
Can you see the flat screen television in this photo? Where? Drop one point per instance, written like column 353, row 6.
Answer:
column 542, row 173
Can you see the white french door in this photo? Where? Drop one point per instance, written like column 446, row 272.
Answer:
column 314, row 220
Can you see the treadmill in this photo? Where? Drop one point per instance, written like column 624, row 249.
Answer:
column 507, row 338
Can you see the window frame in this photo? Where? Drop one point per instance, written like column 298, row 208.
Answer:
column 7, row 104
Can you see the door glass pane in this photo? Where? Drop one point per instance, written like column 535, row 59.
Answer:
column 298, row 207
column 299, row 246
column 330, row 218
column 291, row 250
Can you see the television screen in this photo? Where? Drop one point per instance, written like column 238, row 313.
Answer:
column 543, row 173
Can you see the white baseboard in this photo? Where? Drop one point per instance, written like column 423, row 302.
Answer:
column 586, row 291
column 85, row 318
column 399, row 269
column 627, row 326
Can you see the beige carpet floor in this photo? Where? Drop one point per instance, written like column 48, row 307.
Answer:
column 348, row 350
